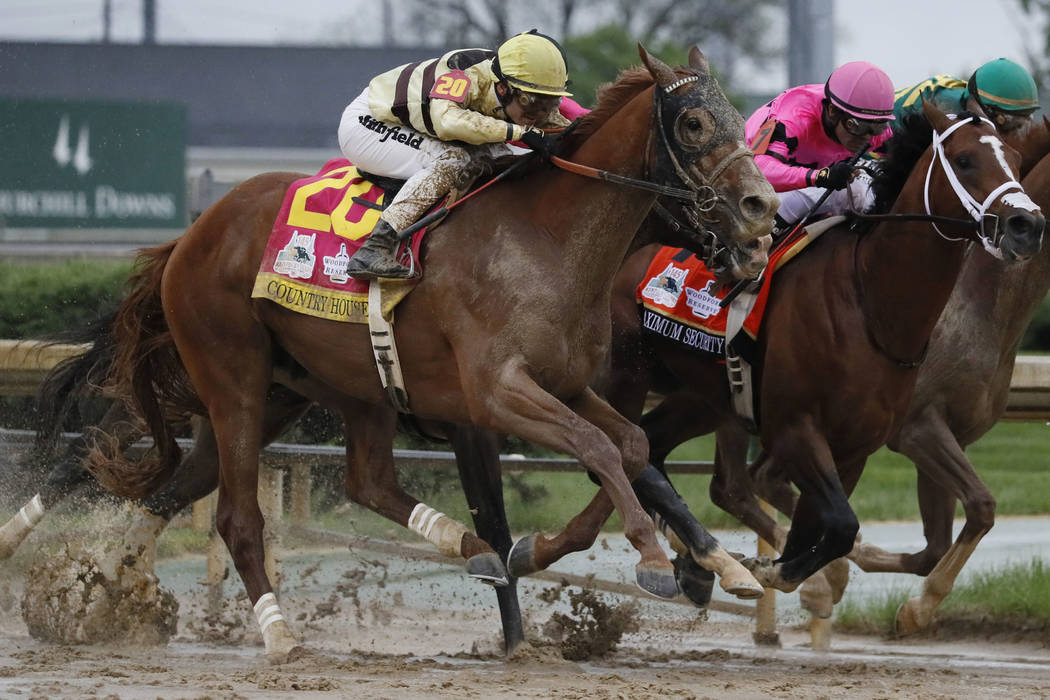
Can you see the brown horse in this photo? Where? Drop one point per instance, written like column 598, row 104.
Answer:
column 960, row 392
column 835, row 382
column 507, row 327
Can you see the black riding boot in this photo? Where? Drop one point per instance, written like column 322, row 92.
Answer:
column 376, row 257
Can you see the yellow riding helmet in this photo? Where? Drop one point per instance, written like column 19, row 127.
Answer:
column 532, row 62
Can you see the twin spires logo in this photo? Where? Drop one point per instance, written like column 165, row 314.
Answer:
column 63, row 152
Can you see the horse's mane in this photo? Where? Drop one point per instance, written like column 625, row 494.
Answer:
column 610, row 98
column 911, row 137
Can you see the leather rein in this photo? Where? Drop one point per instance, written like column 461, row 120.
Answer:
column 704, row 195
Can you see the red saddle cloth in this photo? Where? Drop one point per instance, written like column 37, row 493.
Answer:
column 679, row 297
column 317, row 231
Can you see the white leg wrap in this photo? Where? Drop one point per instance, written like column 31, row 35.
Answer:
column 267, row 611
column 440, row 530
column 33, row 512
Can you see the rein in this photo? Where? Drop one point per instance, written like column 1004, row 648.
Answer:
column 704, row 194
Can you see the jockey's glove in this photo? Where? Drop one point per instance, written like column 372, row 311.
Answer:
column 835, row 176
column 539, row 141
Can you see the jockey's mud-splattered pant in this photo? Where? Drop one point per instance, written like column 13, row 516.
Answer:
column 429, row 165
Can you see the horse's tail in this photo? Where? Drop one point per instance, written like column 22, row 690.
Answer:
column 75, row 378
column 145, row 370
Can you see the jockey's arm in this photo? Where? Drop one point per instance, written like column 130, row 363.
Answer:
column 783, row 176
column 453, row 122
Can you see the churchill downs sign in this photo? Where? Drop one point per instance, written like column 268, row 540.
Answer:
column 92, row 164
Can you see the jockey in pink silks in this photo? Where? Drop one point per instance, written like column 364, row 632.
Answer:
column 804, row 138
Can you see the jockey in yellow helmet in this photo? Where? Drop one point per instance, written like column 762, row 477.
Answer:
column 423, row 122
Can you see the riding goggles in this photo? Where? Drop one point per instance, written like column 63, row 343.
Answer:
column 864, row 127
column 1007, row 121
column 535, row 106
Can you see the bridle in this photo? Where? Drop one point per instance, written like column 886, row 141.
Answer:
column 664, row 163
column 981, row 219
column 978, row 211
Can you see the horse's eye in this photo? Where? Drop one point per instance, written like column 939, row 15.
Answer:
column 963, row 162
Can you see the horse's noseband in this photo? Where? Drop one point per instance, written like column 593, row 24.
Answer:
column 978, row 210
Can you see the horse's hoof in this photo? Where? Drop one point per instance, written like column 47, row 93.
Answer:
column 487, row 568
column 908, row 619
column 660, row 582
column 695, row 582
column 276, row 658
column 519, row 559
column 737, row 581
column 767, row 574
column 744, row 590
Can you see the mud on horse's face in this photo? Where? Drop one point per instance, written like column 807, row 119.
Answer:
column 703, row 144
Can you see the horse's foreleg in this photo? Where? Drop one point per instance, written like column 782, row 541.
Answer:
column 823, row 526
column 732, row 489
column 536, row 552
column 372, row 482
column 477, row 457
column 516, row 405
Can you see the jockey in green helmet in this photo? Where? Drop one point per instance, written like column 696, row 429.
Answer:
column 1006, row 92
column 1004, row 89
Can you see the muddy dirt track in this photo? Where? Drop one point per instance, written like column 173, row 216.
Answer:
column 377, row 628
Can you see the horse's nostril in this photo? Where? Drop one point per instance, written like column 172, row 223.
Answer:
column 756, row 207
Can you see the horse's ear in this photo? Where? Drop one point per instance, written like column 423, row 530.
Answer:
column 974, row 107
column 697, row 60
column 935, row 116
column 661, row 72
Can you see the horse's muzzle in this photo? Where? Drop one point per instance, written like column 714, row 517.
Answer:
column 751, row 258
column 1022, row 235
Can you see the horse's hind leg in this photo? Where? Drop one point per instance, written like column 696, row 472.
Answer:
column 477, row 456
column 371, row 481
column 67, row 475
column 197, row 476
column 945, row 474
column 211, row 336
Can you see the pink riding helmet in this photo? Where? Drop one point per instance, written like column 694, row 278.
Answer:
column 861, row 89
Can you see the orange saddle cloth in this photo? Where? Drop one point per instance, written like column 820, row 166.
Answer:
column 679, row 298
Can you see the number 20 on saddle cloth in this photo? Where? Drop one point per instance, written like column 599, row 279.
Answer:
column 317, row 231
column 679, row 300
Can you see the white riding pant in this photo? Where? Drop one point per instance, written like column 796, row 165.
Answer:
column 857, row 197
column 429, row 165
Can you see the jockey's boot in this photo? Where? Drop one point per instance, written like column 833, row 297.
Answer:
column 376, row 257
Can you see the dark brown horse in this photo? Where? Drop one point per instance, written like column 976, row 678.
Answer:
column 505, row 330
column 960, row 392
column 846, row 327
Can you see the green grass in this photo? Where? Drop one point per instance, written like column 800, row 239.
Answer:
column 1010, row 459
column 1013, row 599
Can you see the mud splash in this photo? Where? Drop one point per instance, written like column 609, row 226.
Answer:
column 593, row 628
column 68, row 600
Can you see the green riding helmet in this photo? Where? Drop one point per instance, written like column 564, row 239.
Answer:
column 1006, row 91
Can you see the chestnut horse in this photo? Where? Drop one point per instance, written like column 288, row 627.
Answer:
column 507, row 327
column 845, row 330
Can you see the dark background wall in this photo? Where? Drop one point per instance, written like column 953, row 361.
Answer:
column 275, row 97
